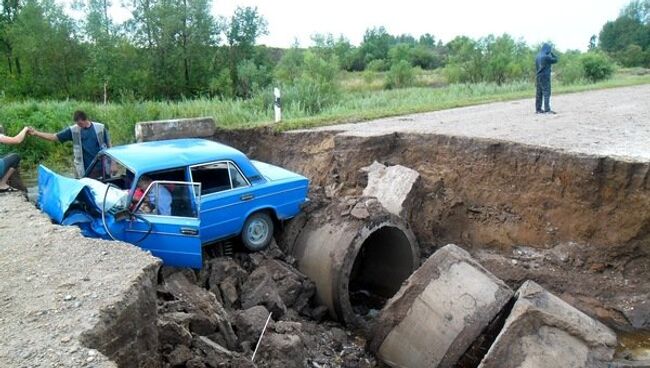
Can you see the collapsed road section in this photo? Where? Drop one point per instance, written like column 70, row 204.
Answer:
column 70, row 301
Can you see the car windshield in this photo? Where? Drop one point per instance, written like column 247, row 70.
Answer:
column 108, row 170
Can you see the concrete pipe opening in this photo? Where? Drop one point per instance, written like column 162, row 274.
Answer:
column 384, row 261
column 357, row 264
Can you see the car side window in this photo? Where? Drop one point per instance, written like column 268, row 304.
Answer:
column 218, row 177
column 168, row 198
column 236, row 177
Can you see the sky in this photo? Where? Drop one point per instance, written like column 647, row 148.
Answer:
column 567, row 23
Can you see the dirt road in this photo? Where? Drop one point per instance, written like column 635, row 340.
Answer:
column 614, row 122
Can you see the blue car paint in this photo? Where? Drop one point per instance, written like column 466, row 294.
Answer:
column 178, row 241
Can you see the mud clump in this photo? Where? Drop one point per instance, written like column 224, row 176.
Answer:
column 214, row 317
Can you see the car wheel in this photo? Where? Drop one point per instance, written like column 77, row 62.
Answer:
column 257, row 231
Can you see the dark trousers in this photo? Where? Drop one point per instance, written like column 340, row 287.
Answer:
column 543, row 94
column 9, row 161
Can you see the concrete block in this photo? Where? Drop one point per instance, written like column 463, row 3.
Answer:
column 174, row 129
column 439, row 312
column 393, row 186
column 544, row 331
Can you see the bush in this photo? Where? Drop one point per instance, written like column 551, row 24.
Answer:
column 379, row 65
column 597, row 66
column 570, row 69
column 316, row 87
column 222, row 85
column 400, row 75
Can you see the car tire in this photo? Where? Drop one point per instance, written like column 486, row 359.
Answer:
column 257, row 232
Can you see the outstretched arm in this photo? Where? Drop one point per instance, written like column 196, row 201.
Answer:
column 47, row 136
column 18, row 139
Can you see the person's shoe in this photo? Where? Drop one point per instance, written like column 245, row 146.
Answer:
column 539, row 112
column 550, row 112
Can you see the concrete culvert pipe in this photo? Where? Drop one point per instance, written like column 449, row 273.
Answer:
column 358, row 255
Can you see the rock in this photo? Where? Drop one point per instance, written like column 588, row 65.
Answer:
column 167, row 271
column 215, row 353
column 174, row 129
column 174, row 334
column 250, row 322
column 393, row 186
column 195, row 363
column 179, row 355
column 439, row 312
column 224, row 277
column 282, row 350
column 260, row 289
column 360, row 212
column 277, row 285
column 544, row 331
column 206, row 313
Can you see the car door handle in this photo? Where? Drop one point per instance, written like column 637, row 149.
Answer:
column 189, row 231
column 247, row 197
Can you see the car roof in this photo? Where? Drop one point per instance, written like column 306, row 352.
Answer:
column 160, row 155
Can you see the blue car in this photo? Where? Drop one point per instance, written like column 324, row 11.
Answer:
column 174, row 197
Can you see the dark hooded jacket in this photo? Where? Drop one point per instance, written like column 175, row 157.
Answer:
column 544, row 60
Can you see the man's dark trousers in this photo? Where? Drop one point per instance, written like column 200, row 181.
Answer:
column 543, row 93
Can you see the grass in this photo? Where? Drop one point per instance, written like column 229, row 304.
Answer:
column 363, row 98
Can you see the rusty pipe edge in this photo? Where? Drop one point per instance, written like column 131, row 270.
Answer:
column 329, row 242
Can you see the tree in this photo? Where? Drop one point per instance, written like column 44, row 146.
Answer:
column 176, row 36
column 10, row 10
column 617, row 35
column 376, row 44
column 638, row 10
column 44, row 40
column 593, row 42
column 243, row 29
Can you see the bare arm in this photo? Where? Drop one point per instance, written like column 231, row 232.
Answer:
column 47, row 136
column 18, row 139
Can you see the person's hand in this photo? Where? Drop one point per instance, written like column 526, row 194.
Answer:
column 31, row 130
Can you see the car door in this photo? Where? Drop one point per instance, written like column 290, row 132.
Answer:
column 166, row 222
column 226, row 197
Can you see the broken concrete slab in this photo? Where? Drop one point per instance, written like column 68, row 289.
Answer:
column 542, row 331
column 173, row 129
column 393, row 186
column 439, row 312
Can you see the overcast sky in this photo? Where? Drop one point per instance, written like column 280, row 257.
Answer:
column 567, row 23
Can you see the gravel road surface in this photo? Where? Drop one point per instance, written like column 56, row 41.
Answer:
column 53, row 284
column 613, row 122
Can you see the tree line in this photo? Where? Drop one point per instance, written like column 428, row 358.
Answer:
column 171, row 49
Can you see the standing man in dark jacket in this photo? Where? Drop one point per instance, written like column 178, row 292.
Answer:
column 543, row 64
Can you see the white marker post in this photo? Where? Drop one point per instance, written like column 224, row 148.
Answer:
column 277, row 105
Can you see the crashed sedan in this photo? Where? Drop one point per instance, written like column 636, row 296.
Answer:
column 174, row 197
